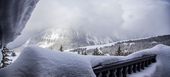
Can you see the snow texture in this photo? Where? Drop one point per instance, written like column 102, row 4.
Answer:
column 39, row 62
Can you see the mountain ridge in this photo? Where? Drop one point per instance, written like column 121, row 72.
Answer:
column 127, row 46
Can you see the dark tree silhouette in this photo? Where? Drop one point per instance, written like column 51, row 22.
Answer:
column 61, row 48
column 5, row 60
column 118, row 52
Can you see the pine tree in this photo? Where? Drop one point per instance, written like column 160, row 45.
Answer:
column 85, row 53
column 5, row 57
column 118, row 52
column 78, row 52
column 61, row 48
column 96, row 52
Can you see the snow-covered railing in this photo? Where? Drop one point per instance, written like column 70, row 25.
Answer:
column 122, row 68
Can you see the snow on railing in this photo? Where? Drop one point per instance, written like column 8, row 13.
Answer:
column 122, row 68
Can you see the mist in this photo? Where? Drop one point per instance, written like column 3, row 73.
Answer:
column 122, row 19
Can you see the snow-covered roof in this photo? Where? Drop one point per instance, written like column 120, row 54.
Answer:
column 14, row 15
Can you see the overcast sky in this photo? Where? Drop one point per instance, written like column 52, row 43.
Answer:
column 124, row 19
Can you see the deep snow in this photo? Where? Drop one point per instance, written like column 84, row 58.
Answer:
column 39, row 62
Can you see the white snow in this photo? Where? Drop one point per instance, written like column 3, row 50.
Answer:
column 44, row 44
column 39, row 62
column 132, row 44
column 154, row 42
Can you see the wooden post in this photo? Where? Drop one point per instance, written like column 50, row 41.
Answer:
column 124, row 71
column 112, row 73
column 149, row 62
column 134, row 68
column 104, row 74
column 129, row 69
column 142, row 65
column 138, row 67
column 100, row 75
column 146, row 63
column 118, row 72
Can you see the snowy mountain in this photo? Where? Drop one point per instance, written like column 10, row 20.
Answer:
column 80, row 41
column 126, row 46
column 68, row 38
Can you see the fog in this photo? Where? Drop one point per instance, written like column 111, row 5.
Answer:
column 123, row 19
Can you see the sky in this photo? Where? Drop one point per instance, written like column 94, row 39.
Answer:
column 123, row 19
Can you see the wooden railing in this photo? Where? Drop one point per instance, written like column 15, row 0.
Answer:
column 122, row 68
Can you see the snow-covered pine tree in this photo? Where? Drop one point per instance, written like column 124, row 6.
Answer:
column 5, row 57
column 118, row 52
column 84, row 53
column 97, row 52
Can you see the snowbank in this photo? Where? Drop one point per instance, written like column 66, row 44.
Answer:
column 39, row 62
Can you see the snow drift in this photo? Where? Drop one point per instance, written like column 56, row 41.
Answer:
column 39, row 62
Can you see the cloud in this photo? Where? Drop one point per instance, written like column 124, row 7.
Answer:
column 123, row 19
column 146, row 17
